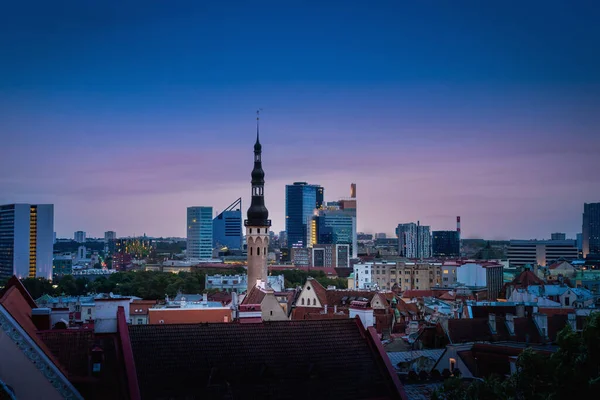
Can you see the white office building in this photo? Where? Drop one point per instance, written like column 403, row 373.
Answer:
column 199, row 233
column 26, row 240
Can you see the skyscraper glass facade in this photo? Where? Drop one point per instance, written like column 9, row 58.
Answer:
column 591, row 229
column 227, row 230
column 300, row 204
column 199, row 232
column 336, row 227
column 445, row 244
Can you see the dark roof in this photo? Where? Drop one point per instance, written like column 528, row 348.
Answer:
column 469, row 330
column 278, row 360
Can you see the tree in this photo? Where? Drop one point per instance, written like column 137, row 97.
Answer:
column 37, row 287
column 573, row 371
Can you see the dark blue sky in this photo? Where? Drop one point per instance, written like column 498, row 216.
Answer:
column 124, row 114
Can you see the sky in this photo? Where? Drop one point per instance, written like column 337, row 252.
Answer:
column 122, row 114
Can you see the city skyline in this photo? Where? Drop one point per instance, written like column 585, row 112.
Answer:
column 123, row 118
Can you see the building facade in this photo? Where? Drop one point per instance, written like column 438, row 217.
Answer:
column 79, row 236
column 333, row 226
column 591, row 229
column 199, row 233
column 62, row 265
column 558, row 236
column 26, row 240
column 414, row 240
column 540, row 252
column 406, row 275
column 257, row 223
column 227, row 227
column 301, row 200
column 445, row 244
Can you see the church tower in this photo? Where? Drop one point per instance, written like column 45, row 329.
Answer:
column 258, row 222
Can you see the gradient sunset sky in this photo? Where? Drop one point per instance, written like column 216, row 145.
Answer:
column 122, row 114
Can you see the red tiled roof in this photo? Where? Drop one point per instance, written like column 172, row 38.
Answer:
column 320, row 291
column 336, row 297
column 448, row 296
column 255, row 296
column 527, row 278
column 312, row 313
column 409, row 294
column 469, row 330
column 278, row 359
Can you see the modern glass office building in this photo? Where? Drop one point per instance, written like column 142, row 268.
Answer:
column 445, row 244
column 301, row 200
column 227, row 227
column 199, row 232
column 333, row 227
column 591, row 229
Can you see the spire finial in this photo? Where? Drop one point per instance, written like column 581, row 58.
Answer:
column 257, row 123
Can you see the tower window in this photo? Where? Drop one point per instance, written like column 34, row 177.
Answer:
column 250, row 250
column 250, row 230
column 264, row 250
column 258, row 251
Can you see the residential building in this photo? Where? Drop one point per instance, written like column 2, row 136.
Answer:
column 79, row 237
column 258, row 222
column 558, row 236
column 189, row 312
column 26, row 235
column 540, row 252
column 414, row 240
column 227, row 227
column 199, row 233
column 489, row 275
column 301, row 199
column 139, row 310
column 300, row 257
column 406, row 275
column 362, row 276
column 110, row 238
column 273, row 306
column 239, row 283
column 445, row 244
column 591, row 229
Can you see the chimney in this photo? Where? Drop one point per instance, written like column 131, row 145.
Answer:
column 335, row 309
column 541, row 321
column 458, row 225
column 41, row 318
column 573, row 321
column 205, row 298
column 492, row 322
column 510, row 323
column 520, row 310
column 325, row 309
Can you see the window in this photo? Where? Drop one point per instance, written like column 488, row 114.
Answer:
column 271, row 312
column 314, row 302
column 567, row 301
column 250, row 230
column 250, row 250
column 265, row 251
column 89, row 311
column 258, row 251
column 407, row 280
column 140, row 321
column 445, row 279
column 162, row 321
column 302, row 301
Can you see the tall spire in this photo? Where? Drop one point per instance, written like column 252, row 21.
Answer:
column 257, row 213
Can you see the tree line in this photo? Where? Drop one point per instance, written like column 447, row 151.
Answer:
column 153, row 285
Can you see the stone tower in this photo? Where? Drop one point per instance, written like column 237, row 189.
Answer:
column 258, row 222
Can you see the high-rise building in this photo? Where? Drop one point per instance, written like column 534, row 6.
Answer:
column 227, row 227
column 333, row 226
column 199, row 233
column 79, row 236
column 414, row 240
column 423, row 241
column 445, row 244
column 258, row 222
column 591, row 229
column 26, row 235
column 301, row 199
column 407, row 239
column 110, row 235
column 558, row 236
